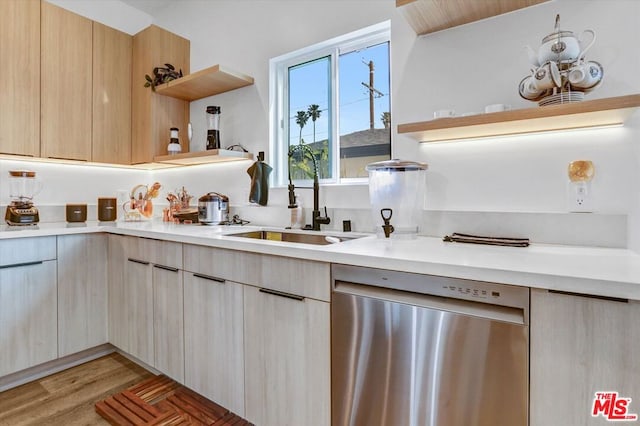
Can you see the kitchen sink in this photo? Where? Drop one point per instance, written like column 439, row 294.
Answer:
column 293, row 237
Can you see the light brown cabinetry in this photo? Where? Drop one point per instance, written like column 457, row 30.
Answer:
column 82, row 292
column 287, row 359
column 28, row 303
column 581, row 345
column 213, row 339
column 168, row 321
column 138, row 308
column 66, row 46
column 130, row 299
column 111, row 132
column 20, row 81
column 86, row 89
column 286, row 327
column 145, row 301
column 153, row 114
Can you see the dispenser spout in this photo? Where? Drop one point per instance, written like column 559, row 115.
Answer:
column 386, row 214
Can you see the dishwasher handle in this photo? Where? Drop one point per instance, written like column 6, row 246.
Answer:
column 476, row 309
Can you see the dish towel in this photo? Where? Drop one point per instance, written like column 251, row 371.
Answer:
column 495, row 241
column 259, row 172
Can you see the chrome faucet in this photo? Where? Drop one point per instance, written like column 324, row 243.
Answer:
column 316, row 219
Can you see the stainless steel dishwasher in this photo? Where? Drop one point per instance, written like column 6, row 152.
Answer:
column 420, row 350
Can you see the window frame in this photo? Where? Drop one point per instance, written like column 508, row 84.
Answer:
column 279, row 97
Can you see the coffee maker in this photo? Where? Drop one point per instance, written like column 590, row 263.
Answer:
column 23, row 186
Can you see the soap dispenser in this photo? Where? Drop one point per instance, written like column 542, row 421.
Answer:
column 297, row 215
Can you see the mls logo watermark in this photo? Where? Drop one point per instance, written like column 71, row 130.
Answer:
column 612, row 407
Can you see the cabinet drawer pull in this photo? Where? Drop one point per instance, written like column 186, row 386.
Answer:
column 210, row 278
column 282, row 294
column 67, row 159
column 19, row 265
column 166, row 268
column 142, row 262
column 590, row 296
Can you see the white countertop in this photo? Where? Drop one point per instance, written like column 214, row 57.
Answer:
column 598, row 271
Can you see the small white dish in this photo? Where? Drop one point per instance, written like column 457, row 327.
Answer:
column 496, row 108
column 444, row 113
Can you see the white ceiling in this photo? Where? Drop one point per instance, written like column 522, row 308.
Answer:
column 150, row 7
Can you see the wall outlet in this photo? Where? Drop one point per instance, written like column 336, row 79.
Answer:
column 579, row 197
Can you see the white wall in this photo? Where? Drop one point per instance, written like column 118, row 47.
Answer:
column 464, row 68
column 471, row 66
column 66, row 183
column 244, row 35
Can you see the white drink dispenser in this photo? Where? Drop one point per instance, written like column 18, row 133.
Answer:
column 396, row 192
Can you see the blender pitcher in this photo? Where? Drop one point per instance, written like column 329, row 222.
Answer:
column 23, row 186
column 396, row 192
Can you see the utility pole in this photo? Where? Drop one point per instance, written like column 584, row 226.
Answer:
column 372, row 91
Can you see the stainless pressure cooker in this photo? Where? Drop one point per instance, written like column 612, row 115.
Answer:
column 213, row 209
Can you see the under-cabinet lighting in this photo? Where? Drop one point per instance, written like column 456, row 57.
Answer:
column 525, row 134
column 145, row 166
column 164, row 162
column 593, row 114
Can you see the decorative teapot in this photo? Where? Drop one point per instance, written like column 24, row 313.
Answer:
column 561, row 46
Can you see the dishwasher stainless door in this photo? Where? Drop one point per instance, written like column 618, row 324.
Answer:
column 397, row 363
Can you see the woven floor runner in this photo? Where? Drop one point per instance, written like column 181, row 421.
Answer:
column 162, row 401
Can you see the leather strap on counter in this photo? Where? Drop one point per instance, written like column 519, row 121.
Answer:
column 479, row 239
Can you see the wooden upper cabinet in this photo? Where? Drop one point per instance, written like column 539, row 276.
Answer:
column 111, row 95
column 66, row 87
column 20, row 81
column 428, row 16
column 153, row 114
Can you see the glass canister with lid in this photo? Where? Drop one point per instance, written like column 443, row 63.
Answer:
column 396, row 194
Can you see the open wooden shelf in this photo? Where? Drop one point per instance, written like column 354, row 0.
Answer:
column 203, row 157
column 207, row 82
column 595, row 113
column 428, row 16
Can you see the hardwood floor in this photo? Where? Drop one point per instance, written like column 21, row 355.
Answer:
column 68, row 397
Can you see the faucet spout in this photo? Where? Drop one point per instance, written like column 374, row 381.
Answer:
column 317, row 220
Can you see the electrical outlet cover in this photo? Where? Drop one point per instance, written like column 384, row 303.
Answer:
column 579, row 197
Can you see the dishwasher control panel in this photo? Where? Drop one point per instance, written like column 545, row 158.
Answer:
column 471, row 291
column 434, row 285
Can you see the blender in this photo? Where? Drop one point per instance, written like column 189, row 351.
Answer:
column 23, row 186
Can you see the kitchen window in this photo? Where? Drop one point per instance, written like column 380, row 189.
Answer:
column 333, row 99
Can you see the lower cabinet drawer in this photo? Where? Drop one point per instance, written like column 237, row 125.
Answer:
column 25, row 250
column 28, row 316
column 299, row 277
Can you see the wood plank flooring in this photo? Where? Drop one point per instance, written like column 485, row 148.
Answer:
column 68, row 397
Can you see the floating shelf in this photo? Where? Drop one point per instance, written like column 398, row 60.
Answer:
column 207, row 82
column 577, row 115
column 203, row 157
column 428, row 16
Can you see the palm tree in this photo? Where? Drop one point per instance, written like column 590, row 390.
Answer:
column 386, row 119
column 314, row 112
column 301, row 119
